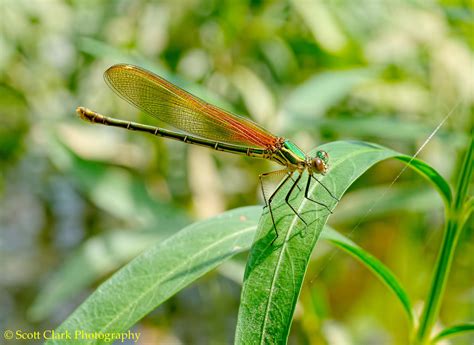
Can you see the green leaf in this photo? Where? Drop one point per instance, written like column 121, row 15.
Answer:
column 276, row 268
column 115, row 190
column 160, row 272
column 399, row 197
column 322, row 91
column 377, row 126
column 372, row 263
column 453, row 331
column 96, row 258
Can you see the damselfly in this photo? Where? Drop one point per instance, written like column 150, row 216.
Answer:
column 204, row 124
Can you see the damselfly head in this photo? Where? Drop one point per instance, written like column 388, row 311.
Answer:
column 320, row 162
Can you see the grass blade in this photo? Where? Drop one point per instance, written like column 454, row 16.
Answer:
column 454, row 331
column 372, row 263
column 444, row 261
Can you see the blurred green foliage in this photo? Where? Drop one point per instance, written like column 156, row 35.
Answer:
column 314, row 71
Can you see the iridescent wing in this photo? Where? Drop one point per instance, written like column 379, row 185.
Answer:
column 178, row 108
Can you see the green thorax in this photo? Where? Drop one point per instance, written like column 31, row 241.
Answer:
column 289, row 154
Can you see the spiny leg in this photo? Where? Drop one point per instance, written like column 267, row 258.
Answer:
column 299, row 189
column 287, row 198
column 268, row 203
column 286, row 172
column 326, row 188
column 306, row 193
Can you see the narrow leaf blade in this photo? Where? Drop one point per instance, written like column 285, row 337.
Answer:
column 378, row 268
column 159, row 273
column 454, row 331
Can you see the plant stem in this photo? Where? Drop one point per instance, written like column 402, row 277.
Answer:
column 455, row 220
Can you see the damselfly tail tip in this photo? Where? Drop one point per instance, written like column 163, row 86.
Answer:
column 86, row 114
column 80, row 111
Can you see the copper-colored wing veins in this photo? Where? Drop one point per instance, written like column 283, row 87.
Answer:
column 178, row 108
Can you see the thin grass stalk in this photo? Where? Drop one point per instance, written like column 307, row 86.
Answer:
column 455, row 221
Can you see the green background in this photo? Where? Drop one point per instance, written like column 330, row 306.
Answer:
column 312, row 71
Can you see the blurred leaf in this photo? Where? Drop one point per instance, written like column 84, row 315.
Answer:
column 280, row 57
column 115, row 190
column 453, row 331
column 160, row 272
column 232, row 269
column 319, row 93
column 256, row 95
column 105, row 51
column 96, row 258
column 372, row 263
column 380, row 200
column 464, row 14
column 13, row 129
column 98, row 49
column 322, row 24
column 379, row 127
column 275, row 270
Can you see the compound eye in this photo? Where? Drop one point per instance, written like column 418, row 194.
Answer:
column 323, row 155
column 319, row 165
